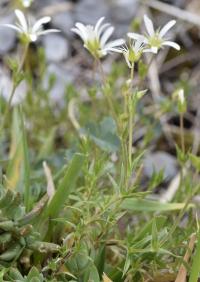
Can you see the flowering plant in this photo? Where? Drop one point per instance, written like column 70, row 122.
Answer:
column 95, row 38
column 95, row 210
column 30, row 32
column 155, row 38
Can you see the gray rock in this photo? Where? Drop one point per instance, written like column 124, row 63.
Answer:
column 6, row 87
column 7, row 35
column 62, row 77
column 155, row 162
column 38, row 4
column 123, row 11
column 89, row 11
column 56, row 47
column 64, row 21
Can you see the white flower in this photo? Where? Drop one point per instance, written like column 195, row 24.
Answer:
column 95, row 37
column 28, row 31
column 156, row 38
column 133, row 53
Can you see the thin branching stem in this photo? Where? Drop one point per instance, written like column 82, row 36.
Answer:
column 14, row 86
column 107, row 96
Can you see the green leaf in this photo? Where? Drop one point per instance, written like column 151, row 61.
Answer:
column 34, row 275
column 147, row 228
column 93, row 274
column 66, row 186
column 104, row 135
column 26, row 166
column 195, row 269
column 154, row 240
column 13, row 170
column 100, row 259
column 15, row 275
column 195, row 160
column 126, row 265
column 149, row 205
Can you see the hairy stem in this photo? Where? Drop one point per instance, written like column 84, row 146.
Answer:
column 130, row 106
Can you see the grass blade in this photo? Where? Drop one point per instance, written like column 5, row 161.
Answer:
column 149, row 205
column 66, row 186
column 195, row 269
column 26, row 166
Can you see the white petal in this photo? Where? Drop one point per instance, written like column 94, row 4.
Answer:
column 102, row 28
column 40, row 22
column 115, row 43
column 139, row 44
column 98, row 24
column 127, row 60
column 83, row 30
column 33, row 37
column 167, row 27
column 108, row 32
column 77, row 31
column 137, row 36
column 150, row 51
column 153, row 50
column 172, row 44
column 149, row 25
column 22, row 20
column 47, row 31
column 13, row 27
column 112, row 49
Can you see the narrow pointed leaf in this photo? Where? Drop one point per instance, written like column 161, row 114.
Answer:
column 66, row 186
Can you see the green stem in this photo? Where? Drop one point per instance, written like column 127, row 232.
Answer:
column 182, row 133
column 107, row 96
column 148, row 67
column 14, row 86
column 130, row 107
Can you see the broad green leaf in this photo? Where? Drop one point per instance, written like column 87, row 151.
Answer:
column 93, row 274
column 104, row 135
column 34, row 275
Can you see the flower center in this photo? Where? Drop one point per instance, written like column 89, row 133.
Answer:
column 93, row 42
column 133, row 55
column 155, row 41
